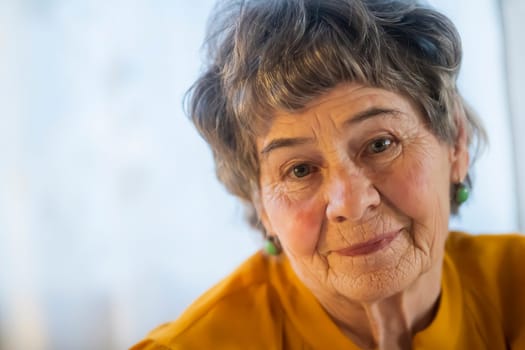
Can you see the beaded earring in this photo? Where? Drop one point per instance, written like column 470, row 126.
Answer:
column 272, row 246
column 462, row 193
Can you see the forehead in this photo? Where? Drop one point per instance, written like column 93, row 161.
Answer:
column 342, row 106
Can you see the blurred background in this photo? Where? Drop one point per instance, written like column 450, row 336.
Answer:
column 111, row 219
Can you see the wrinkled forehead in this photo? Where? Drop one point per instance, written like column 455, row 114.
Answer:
column 345, row 101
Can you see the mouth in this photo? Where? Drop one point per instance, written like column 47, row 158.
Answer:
column 371, row 246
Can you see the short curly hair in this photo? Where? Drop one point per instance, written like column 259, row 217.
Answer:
column 269, row 55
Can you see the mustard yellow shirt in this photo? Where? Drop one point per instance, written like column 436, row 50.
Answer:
column 263, row 305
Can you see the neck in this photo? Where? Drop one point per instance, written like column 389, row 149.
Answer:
column 390, row 323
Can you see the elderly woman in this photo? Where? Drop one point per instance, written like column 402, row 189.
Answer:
column 340, row 124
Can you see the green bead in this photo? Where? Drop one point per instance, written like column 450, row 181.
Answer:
column 270, row 248
column 462, row 194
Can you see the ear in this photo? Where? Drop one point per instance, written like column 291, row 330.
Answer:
column 459, row 155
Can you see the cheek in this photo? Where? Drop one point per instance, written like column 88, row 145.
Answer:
column 410, row 190
column 420, row 192
column 419, row 187
column 297, row 223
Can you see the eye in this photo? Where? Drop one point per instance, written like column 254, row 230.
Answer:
column 301, row 170
column 379, row 145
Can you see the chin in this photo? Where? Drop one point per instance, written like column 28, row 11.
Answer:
column 373, row 291
column 375, row 286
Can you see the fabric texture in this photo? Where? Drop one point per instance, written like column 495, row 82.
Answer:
column 263, row 305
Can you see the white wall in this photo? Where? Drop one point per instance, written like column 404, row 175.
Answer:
column 513, row 14
column 494, row 204
column 111, row 220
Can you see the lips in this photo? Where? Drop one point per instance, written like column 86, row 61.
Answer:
column 370, row 246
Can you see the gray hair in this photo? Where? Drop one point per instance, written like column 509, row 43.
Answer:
column 269, row 55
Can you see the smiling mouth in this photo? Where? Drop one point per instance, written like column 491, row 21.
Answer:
column 370, row 246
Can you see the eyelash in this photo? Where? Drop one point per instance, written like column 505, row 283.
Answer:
column 289, row 173
column 390, row 146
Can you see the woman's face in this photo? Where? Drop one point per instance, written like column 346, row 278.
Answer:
column 357, row 190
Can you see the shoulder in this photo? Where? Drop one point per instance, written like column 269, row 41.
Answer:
column 492, row 277
column 494, row 258
column 243, row 309
column 486, row 251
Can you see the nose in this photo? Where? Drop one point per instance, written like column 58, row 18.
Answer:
column 350, row 195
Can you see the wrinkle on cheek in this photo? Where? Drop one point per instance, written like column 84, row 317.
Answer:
column 418, row 161
column 431, row 228
column 430, row 238
column 296, row 223
column 418, row 179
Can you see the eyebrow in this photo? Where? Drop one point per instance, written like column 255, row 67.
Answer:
column 355, row 119
column 370, row 113
column 285, row 142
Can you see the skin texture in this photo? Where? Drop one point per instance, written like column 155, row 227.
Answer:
column 357, row 190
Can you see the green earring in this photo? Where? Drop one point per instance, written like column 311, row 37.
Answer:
column 272, row 246
column 462, row 193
